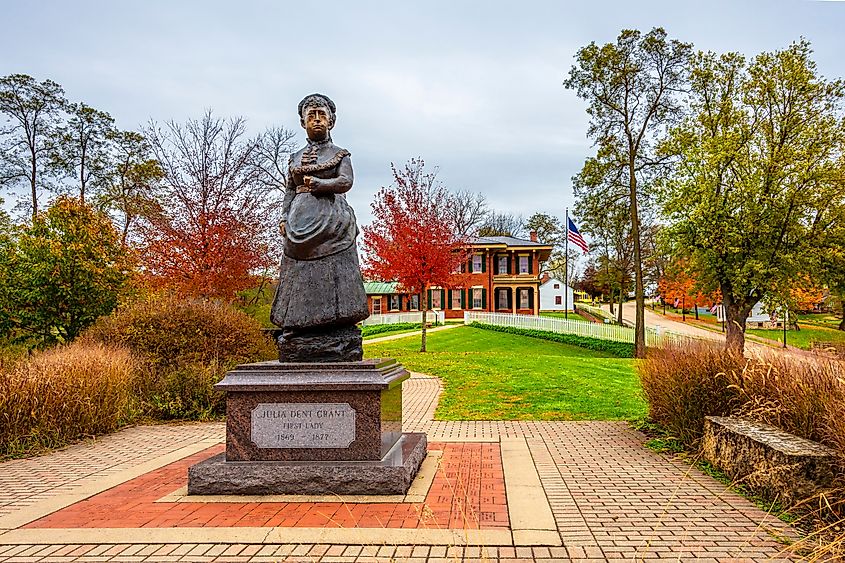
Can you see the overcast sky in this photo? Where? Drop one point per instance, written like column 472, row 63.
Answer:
column 472, row 87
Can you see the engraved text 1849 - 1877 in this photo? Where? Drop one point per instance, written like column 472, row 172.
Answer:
column 303, row 425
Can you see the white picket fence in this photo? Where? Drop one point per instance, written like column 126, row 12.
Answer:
column 654, row 337
column 411, row 317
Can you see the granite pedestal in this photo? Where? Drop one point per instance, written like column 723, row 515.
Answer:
column 313, row 428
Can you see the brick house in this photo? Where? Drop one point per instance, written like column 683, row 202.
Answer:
column 504, row 276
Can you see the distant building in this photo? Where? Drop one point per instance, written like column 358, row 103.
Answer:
column 503, row 277
column 758, row 318
column 555, row 295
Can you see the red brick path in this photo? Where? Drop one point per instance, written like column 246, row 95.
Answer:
column 468, row 492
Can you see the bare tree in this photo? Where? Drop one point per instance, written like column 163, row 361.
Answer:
column 32, row 110
column 218, row 212
column 467, row 212
column 270, row 156
column 502, row 224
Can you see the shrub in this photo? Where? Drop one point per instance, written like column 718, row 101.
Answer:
column 187, row 346
column 65, row 393
column 620, row 349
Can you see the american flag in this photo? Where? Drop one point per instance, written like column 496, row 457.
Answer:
column 575, row 237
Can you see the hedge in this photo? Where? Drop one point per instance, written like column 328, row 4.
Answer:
column 620, row 349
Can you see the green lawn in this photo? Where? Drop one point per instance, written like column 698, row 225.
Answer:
column 560, row 315
column 497, row 376
column 822, row 319
column 803, row 337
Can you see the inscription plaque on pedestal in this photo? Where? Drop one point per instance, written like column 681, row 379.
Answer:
column 303, row 425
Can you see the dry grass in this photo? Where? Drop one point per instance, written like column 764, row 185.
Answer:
column 802, row 395
column 64, row 394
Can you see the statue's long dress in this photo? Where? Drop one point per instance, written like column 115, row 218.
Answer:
column 320, row 281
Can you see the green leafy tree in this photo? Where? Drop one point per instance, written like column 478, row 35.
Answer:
column 6, row 256
column 632, row 89
column 32, row 110
column 83, row 147
column 757, row 183
column 63, row 272
column 130, row 189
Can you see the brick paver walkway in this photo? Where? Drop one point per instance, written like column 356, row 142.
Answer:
column 612, row 499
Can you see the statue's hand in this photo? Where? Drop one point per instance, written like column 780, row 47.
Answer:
column 312, row 183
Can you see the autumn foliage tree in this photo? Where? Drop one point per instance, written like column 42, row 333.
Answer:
column 412, row 240
column 679, row 287
column 217, row 209
column 61, row 273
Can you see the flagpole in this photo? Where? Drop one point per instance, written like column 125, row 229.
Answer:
column 566, row 270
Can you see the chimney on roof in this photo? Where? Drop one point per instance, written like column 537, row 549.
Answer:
column 533, row 235
column 545, row 277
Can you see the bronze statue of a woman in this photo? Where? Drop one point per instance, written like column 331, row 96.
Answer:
column 320, row 296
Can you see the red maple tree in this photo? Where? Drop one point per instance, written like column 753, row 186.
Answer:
column 214, row 223
column 212, row 256
column 679, row 287
column 411, row 239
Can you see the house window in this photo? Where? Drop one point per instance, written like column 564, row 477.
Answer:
column 502, row 301
column 456, row 299
column 415, row 302
column 503, row 265
column 476, row 263
column 435, row 299
column 477, row 298
column 394, row 302
column 557, row 286
column 558, row 300
column 523, row 298
column 377, row 305
column 523, row 264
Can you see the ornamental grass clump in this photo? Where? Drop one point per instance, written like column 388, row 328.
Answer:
column 64, row 394
column 186, row 346
column 802, row 395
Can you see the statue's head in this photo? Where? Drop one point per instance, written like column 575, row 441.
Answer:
column 317, row 116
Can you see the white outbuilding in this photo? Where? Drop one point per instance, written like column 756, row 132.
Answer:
column 553, row 294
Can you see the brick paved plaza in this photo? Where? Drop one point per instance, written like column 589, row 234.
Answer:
column 491, row 491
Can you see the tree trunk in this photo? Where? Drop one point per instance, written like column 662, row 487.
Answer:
column 612, row 312
column 619, row 310
column 82, row 175
column 842, row 302
column 639, row 325
column 695, row 306
column 423, row 307
column 32, row 185
column 735, row 316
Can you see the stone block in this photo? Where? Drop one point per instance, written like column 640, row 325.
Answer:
column 770, row 462
column 313, row 411
column 392, row 475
